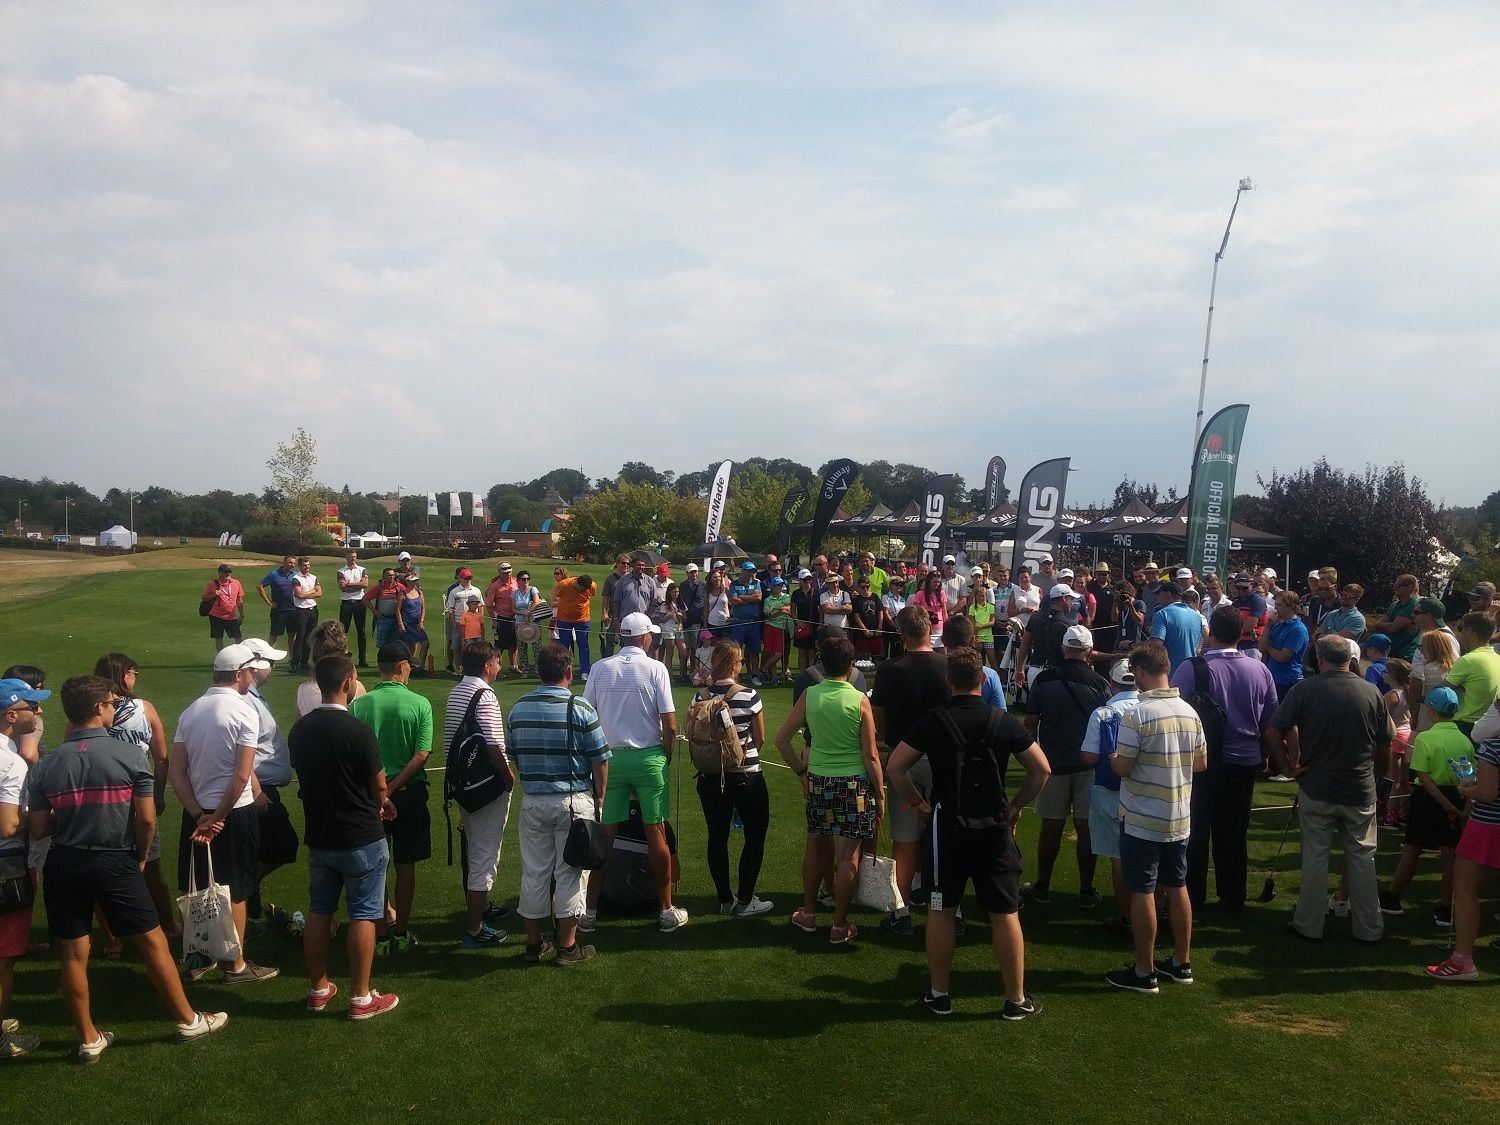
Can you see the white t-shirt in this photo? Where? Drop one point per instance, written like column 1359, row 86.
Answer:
column 458, row 600
column 13, row 791
column 310, row 696
column 352, row 574
column 305, row 582
column 631, row 691
column 835, row 600
column 1028, row 601
column 210, row 730
column 953, row 589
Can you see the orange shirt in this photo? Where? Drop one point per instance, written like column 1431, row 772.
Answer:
column 472, row 624
column 570, row 603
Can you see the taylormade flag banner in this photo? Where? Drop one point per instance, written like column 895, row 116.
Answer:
column 994, row 484
column 478, row 509
column 792, row 508
column 1211, row 493
column 455, row 507
column 718, row 496
column 934, row 518
column 836, row 482
column 1038, row 518
column 432, row 504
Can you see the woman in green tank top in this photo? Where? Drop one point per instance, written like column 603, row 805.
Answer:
column 841, row 780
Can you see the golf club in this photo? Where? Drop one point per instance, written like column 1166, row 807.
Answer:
column 1268, row 891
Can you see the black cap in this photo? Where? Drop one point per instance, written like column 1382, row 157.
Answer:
column 393, row 652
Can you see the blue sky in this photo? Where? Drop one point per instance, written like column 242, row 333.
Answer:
column 466, row 243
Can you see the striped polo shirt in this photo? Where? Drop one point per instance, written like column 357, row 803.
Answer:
column 539, row 742
column 89, row 781
column 1164, row 737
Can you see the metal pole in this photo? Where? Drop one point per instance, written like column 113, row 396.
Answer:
column 130, row 494
column 398, row 513
column 1213, row 286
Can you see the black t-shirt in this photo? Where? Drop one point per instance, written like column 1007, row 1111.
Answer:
column 867, row 609
column 929, row 737
column 804, row 605
column 908, row 687
column 1063, row 697
column 336, row 758
column 1340, row 720
column 1104, row 607
column 1046, row 639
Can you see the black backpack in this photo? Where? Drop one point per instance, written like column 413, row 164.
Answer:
column 1213, row 717
column 471, row 778
column 977, row 798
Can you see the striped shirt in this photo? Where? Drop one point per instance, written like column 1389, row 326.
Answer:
column 1480, row 811
column 1164, row 738
column 89, row 781
column 744, row 704
column 490, row 722
column 539, row 742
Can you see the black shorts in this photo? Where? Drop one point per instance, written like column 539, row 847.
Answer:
column 1427, row 825
column 236, row 853
column 410, row 834
column 283, row 621
column 278, row 839
column 75, row 880
column 505, row 634
column 987, row 857
column 218, row 627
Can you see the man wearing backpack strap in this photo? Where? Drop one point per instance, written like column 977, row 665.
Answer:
column 1099, row 741
column 968, row 744
column 1236, row 717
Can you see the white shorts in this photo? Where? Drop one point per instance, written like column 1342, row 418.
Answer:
column 550, row 887
column 484, row 829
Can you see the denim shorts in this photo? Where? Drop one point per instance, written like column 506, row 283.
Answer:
column 1145, row 863
column 359, row 873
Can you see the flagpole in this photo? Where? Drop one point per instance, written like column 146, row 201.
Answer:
column 1213, row 285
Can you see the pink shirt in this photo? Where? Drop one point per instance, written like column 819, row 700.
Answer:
column 227, row 597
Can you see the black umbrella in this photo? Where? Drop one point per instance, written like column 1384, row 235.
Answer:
column 718, row 549
column 651, row 557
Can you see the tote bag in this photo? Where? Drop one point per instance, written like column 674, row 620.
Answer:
column 207, row 926
column 876, row 886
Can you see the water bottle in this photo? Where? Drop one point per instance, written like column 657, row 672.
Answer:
column 1463, row 769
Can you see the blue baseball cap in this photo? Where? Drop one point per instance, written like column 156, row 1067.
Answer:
column 19, row 691
column 1443, row 700
column 1378, row 641
column 778, row 582
column 747, row 565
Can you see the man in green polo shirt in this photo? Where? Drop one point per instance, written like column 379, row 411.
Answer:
column 1399, row 622
column 403, row 726
column 1475, row 674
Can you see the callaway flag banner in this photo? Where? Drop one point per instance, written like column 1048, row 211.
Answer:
column 836, row 482
column 718, row 496
column 994, row 484
column 1039, row 509
column 477, row 510
column 792, row 507
column 455, row 506
column 1211, row 493
column 934, row 518
column 432, row 504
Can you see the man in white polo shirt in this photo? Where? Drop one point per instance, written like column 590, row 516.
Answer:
column 212, row 772
column 633, row 695
column 354, row 580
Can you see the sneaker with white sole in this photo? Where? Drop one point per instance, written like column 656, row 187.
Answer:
column 206, row 1024
column 316, row 1003
column 1338, row 907
column 1177, row 974
column 1451, row 971
column 1132, row 981
column 672, row 918
column 937, row 1005
column 376, row 1005
column 754, row 908
column 251, row 974
column 1029, row 1005
column 8, row 1026
column 825, row 898
column 588, row 921
column 14, row 1046
column 577, row 955
column 88, row 1053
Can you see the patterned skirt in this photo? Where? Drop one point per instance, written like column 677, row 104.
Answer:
column 840, row 806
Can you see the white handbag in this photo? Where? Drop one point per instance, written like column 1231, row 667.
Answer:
column 876, row 885
column 207, row 924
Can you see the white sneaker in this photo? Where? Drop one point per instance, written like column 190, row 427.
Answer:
column 1338, row 907
column 671, row 919
column 588, row 921
column 89, row 1052
column 206, row 1024
column 755, row 907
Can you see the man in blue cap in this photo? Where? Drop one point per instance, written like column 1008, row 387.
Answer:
column 745, row 622
column 20, row 713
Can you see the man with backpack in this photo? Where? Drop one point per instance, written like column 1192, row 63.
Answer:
column 1099, row 741
column 968, row 744
column 1234, row 695
column 479, row 780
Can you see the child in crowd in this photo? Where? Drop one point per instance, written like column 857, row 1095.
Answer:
column 1395, row 684
column 471, row 624
column 1436, row 807
column 705, row 659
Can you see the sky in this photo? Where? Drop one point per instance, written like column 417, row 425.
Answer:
column 466, row 243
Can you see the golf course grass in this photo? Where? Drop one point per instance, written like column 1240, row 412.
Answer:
column 731, row 1019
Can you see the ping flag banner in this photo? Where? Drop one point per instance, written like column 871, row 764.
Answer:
column 1211, row 493
column 836, row 482
column 1039, row 513
column 934, row 518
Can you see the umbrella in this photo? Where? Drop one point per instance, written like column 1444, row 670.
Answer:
column 651, row 557
column 718, row 549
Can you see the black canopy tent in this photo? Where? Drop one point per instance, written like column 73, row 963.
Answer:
column 1166, row 532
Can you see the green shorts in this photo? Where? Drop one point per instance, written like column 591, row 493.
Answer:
column 642, row 772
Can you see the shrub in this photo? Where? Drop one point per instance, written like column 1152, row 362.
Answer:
column 272, row 540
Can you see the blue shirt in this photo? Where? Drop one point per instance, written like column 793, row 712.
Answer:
column 536, row 742
column 1343, row 620
column 1375, row 673
column 1096, row 742
column 1292, row 635
column 1180, row 627
column 283, row 589
column 745, row 611
column 991, row 691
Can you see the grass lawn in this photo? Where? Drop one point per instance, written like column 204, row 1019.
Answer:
column 730, row 1019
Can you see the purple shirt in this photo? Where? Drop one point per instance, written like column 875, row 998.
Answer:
column 1242, row 685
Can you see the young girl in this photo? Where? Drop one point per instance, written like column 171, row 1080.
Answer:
column 931, row 598
column 1397, row 680
column 1478, row 854
column 982, row 611
column 1435, row 822
column 667, row 613
column 328, row 638
column 704, row 654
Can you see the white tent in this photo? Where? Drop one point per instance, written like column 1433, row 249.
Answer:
column 117, row 536
column 369, row 539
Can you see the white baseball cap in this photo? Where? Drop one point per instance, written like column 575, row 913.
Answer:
column 1065, row 572
column 975, row 571
column 1061, row 590
column 1120, row 673
column 264, row 650
column 231, row 658
column 804, row 573
column 406, row 555
column 1078, row 637
column 1269, row 573
column 691, row 568
column 1183, row 574
column 949, row 559
column 637, row 625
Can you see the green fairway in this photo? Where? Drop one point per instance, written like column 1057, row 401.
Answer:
column 732, row 1019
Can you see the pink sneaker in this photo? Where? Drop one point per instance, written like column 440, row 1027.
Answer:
column 316, row 1003
column 807, row 923
column 1451, row 970
column 377, row 1005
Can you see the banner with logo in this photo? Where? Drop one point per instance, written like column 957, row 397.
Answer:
column 1211, row 493
column 792, row 507
column 455, row 505
column 836, row 482
column 934, row 518
column 1039, row 507
column 477, row 511
column 994, row 484
column 718, row 497
column 432, row 504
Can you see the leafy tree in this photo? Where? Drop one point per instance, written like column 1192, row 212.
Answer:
column 630, row 516
column 516, row 503
column 638, row 472
column 571, row 484
column 754, row 510
column 299, row 498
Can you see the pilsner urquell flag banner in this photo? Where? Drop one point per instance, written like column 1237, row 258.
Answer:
column 1211, row 493
column 792, row 508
